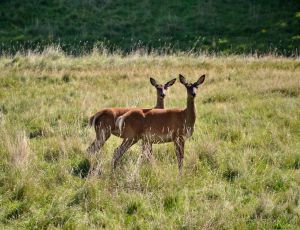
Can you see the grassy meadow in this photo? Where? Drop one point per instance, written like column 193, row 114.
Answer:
column 241, row 166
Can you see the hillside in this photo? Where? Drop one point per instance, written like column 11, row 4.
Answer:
column 209, row 25
column 241, row 166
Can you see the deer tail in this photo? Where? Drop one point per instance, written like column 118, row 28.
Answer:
column 92, row 120
column 120, row 123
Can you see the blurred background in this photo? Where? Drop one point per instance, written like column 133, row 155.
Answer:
column 214, row 26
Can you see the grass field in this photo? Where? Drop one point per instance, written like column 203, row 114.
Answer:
column 241, row 166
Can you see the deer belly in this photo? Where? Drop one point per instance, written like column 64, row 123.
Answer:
column 158, row 138
column 116, row 132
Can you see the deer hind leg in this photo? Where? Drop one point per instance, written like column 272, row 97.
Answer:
column 94, row 147
column 101, row 138
column 102, row 134
column 126, row 144
column 179, row 149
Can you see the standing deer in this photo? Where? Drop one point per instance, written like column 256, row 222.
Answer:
column 104, row 120
column 159, row 125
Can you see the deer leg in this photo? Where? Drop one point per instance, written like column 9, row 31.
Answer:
column 101, row 137
column 102, row 134
column 147, row 151
column 103, row 127
column 94, row 147
column 179, row 149
column 126, row 144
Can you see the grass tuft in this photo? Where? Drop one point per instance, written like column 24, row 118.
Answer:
column 52, row 154
column 291, row 92
column 132, row 208
column 66, row 78
column 81, row 169
column 170, row 203
column 231, row 174
column 16, row 210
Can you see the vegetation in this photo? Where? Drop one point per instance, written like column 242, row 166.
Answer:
column 229, row 26
column 241, row 166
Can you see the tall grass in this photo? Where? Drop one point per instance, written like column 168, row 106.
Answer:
column 241, row 166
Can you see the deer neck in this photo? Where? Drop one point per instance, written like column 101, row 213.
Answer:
column 160, row 104
column 190, row 112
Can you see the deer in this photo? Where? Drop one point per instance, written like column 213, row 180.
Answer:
column 104, row 120
column 159, row 126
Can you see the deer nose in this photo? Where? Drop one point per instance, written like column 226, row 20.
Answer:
column 194, row 94
column 162, row 95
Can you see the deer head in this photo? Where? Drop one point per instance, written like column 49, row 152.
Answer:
column 191, row 87
column 161, row 89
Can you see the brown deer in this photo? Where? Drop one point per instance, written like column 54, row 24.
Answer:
column 104, row 120
column 159, row 125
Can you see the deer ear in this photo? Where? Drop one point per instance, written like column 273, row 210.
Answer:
column 182, row 79
column 153, row 82
column 170, row 83
column 200, row 80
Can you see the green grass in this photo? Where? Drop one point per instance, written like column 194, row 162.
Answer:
column 208, row 25
column 241, row 166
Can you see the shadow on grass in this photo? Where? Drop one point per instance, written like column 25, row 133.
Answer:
column 81, row 169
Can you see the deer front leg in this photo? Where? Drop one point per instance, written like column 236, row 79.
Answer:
column 147, row 151
column 179, row 149
column 126, row 144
